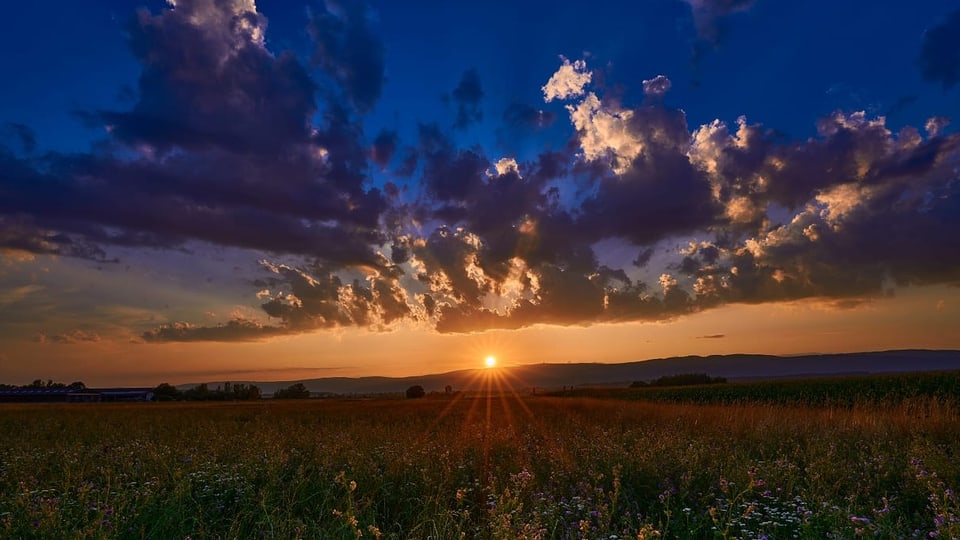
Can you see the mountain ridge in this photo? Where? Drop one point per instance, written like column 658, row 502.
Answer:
column 550, row 375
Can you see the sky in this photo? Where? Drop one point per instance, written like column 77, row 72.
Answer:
column 228, row 190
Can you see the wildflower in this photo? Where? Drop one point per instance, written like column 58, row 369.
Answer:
column 857, row 519
column 353, row 485
column 724, row 485
column 647, row 532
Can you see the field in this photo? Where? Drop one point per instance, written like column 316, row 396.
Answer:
column 502, row 466
column 887, row 390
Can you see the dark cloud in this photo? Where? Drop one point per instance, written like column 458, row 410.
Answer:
column 660, row 194
column 209, row 80
column 467, row 95
column 234, row 330
column 713, row 336
column 348, row 50
column 708, row 15
column 219, row 147
column 383, row 148
column 449, row 174
column 526, row 117
column 940, row 53
column 22, row 135
column 20, row 232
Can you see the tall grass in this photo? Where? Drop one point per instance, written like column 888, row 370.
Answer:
column 498, row 467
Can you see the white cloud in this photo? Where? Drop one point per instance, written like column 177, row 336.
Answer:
column 506, row 165
column 567, row 82
column 657, row 86
column 604, row 131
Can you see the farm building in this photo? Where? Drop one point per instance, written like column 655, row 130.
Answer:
column 74, row 395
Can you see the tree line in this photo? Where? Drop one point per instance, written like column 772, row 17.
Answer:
column 682, row 379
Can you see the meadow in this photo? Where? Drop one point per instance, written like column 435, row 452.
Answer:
column 494, row 466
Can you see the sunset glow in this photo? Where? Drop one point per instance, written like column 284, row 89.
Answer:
column 490, row 361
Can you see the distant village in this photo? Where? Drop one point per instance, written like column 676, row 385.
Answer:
column 77, row 392
column 40, row 391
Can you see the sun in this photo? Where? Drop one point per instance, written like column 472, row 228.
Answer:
column 490, row 361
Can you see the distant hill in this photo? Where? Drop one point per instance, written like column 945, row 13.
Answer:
column 549, row 376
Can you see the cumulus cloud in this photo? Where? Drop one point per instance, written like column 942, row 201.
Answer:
column 657, row 86
column 506, row 165
column 568, row 81
column 231, row 144
column 604, row 131
column 220, row 147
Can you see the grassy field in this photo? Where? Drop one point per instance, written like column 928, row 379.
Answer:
column 498, row 467
column 887, row 390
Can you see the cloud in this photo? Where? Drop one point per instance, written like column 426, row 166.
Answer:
column 467, row 96
column 349, row 51
column 708, row 14
column 940, row 52
column 712, row 336
column 18, row 294
column 196, row 54
column 230, row 144
column 219, row 147
column 384, row 147
column 657, row 86
column 22, row 135
column 506, row 165
column 604, row 132
column 71, row 338
column 522, row 116
column 568, row 81
column 233, row 330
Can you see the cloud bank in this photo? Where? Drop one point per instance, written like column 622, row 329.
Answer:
column 232, row 144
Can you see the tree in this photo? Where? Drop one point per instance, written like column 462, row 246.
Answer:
column 294, row 391
column 416, row 391
column 167, row 392
column 687, row 379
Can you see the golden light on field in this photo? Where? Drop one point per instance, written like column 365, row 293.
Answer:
column 490, row 361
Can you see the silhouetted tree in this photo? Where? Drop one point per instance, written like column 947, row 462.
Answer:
column 687, row 379
column 294, row 391
column 416, row 391
column 167, row 392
